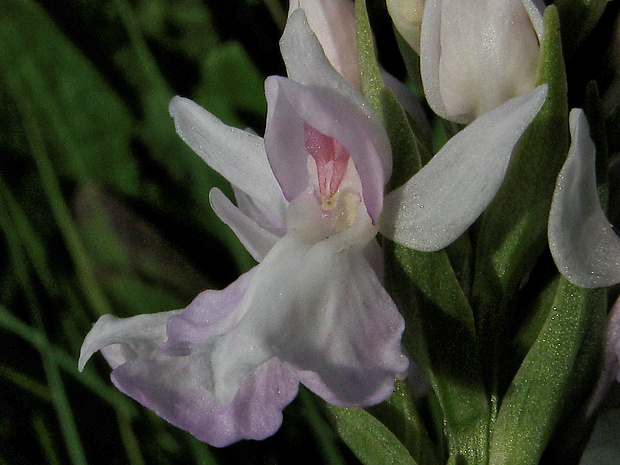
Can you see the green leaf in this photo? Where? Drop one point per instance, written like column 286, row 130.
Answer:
column 412, row 63
column 555, row 377
column 231, row 86
column 400, row 414
column 372, row 82
column 406, row 147
column 440, row 336
column 369, row 439
column 428, row 294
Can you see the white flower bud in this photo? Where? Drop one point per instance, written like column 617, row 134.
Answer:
column 333, row 22
column 476, row 55
column 407, row 18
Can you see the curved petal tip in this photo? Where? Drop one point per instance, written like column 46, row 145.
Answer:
column 583, row 243
column 442, row 200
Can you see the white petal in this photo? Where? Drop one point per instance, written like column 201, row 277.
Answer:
column 430, row 52
column 583, row 243
column 124, row 337
column 321, row 310
column 259, row 214
column 236, row 154
column 442, row 200
column 307, row 64
column 535, row 9
column 256, row 239
column 463, row 52
column 333, row 22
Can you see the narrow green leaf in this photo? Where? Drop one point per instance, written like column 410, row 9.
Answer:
column 232, row 86
column 25, row 382
column 400, row 414
column 60, row 210
column 412, row 63
column 45, row 438
column 324, row 435
column 555, row 377
column 57, row 391
column 68, row 363
column 200, row 451
column 406, row 159
column 598, row 132
column 372, row 83
column 440, row 336
column 427, row 292
column 368, row 438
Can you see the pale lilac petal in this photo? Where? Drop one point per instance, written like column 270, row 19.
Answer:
column 319, row 308
column 237, row 155
column 442, row 200
column 212, row 313
column 604, row 444
column 333, row 22
column 583, row 243
column 125, row 338
column 258, row 213
column 174, row 387
column 307, row 64
column 374, row 256
column 291, row 105
column 354, row 354
column 256, row 239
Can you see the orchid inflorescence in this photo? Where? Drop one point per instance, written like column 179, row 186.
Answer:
column 343, row 198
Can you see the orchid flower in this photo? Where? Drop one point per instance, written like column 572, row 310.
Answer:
column 583, row 243
column 309, row 199
column 478, row 54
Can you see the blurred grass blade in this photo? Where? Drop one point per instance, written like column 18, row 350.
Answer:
column 48, row 446
column 58, row 395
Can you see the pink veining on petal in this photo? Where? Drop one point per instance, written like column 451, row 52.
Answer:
column 331, row 160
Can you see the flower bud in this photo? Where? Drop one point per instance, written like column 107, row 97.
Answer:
column 407, row 18
column 478, row 54
column 333, row 22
